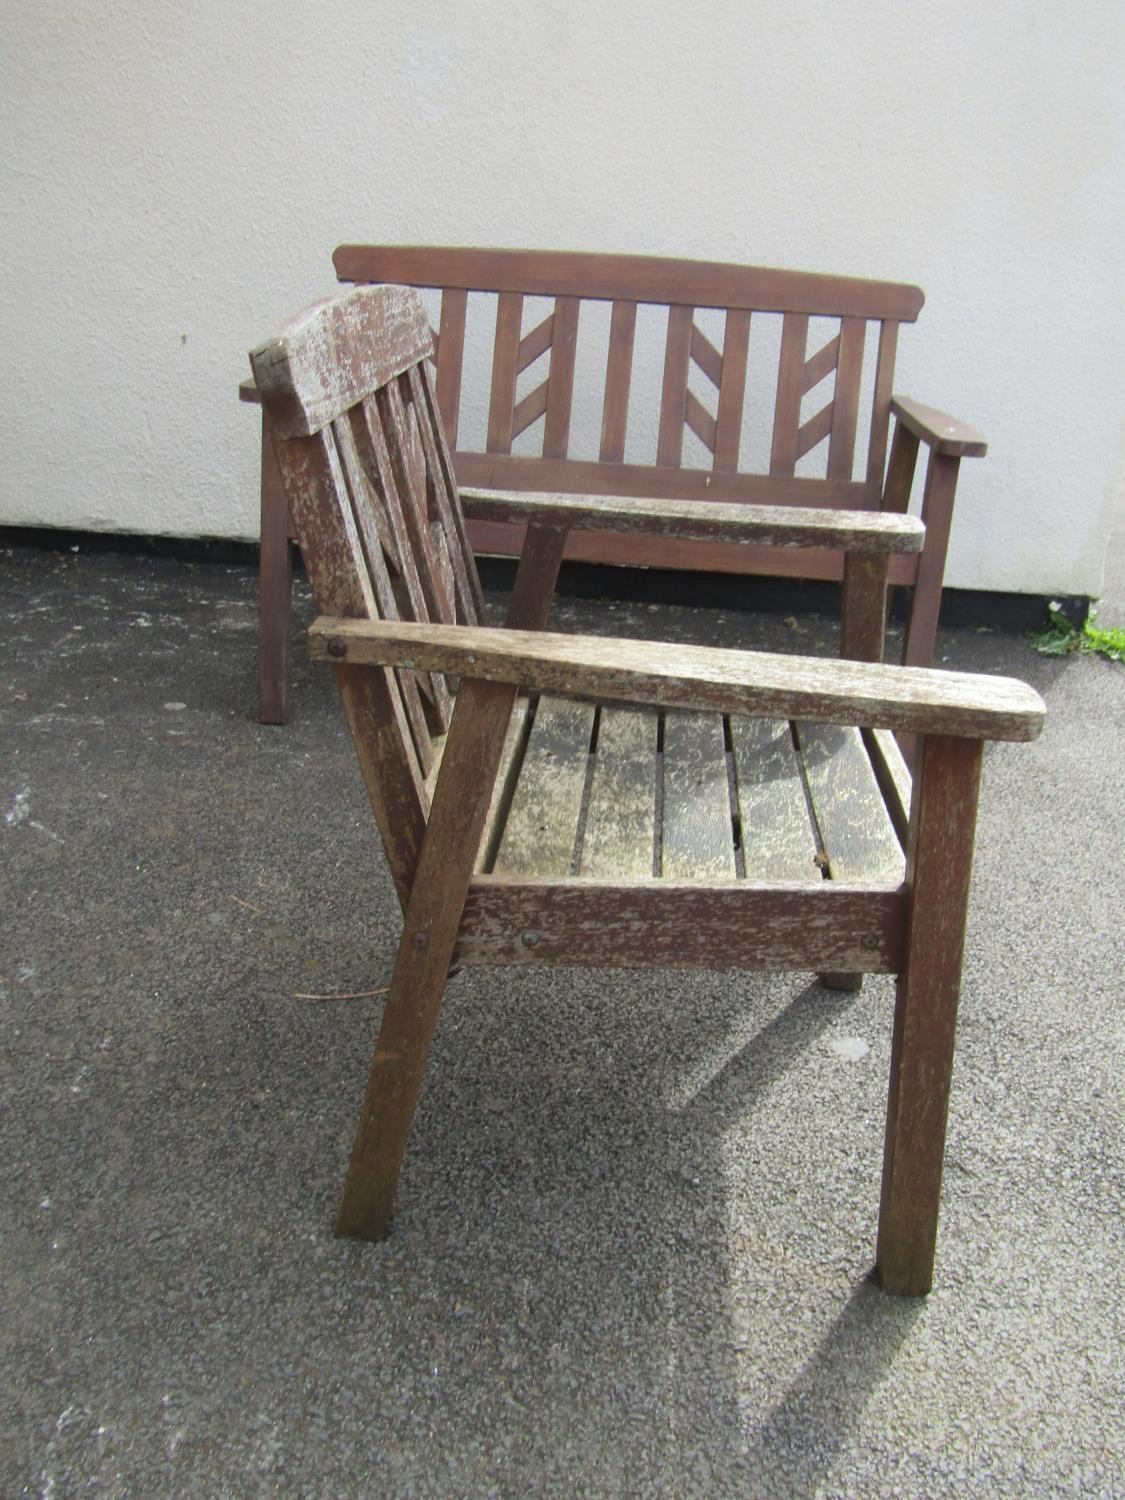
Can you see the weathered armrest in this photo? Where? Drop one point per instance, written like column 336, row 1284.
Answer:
column 248, row 391
column 673, row 676
column 702, row 520
column 943, row 433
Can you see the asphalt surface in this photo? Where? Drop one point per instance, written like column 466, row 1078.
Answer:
column 637, row 1216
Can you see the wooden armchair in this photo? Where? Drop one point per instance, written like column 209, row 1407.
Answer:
column 579, row 800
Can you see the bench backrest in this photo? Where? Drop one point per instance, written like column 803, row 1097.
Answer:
column 777, row 422
column 349, row 392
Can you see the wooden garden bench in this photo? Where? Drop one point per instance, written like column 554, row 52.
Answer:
column 553, row 799
column 796, row 375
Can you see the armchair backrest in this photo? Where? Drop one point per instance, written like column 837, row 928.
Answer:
column 354, row 419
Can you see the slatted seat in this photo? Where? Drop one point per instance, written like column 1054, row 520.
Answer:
column 611, row 790
column 587, row 800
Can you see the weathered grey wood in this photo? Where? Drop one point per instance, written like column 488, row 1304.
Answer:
column 539, row 833
column 858, row 836
column 335, row 353
column 511, row 759
column 696, row 836
column 943, row 433
column 654, row 923
column 858, row 530
column 677, row 676
column 939, row 868
column 619, row 838
column 778, row 842
column 893, row 775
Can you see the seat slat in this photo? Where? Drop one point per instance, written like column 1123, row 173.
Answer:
column 778, row 842
column 696, row 834
column 859, row 838
column 620, row 832
column 542, row 823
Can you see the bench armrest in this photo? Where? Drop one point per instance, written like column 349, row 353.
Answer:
column 702, row 520
column 943, row 433
column 914, row 699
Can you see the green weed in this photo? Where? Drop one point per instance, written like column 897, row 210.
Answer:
column 1061, row 638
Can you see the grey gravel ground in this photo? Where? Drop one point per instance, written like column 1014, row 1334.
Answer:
column 638, row 1211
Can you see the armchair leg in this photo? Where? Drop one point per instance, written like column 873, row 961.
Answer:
column 943, row 821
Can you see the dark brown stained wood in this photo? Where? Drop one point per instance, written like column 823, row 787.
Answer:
column 732, row 389
column 705, row 355
column 536, row 577
column 529, row 409
column 881, row 408
column 696, row 836
column 535, row 343
column 939, row 867
column 937, row 516
column 697, row 677
column 619, row 838
column 640, row 278
column 618, row 372
column 893, row 775
column 440, row 479
column 943, row 433
column 445, row 482
column 790, row 388
column 510, row 761
column 655, row 923
column 505, row 367
column 820, row 365
column 747, row 558
column 858, row 837
column 275, row 587
column 560, row 381
column 673, row 397
column 778, row 842
column 373, row 337
column 864, row 606
column 506, row 471
column 900, row 470
column 845, row 401
column 700, row 420
column 539, row 834
column 815, row 430
column 451, row 354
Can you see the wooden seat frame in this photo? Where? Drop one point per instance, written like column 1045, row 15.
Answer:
column 700, row 450
column 360, row 449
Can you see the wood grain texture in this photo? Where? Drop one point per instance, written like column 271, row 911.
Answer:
column 696, row 836
column 778, row 842
column 893, row 775
column 275, row 588
column 618, row 377
column 864, row 621
column 542, row 824
column 620, row 831
column 943, row 433
column 732, row 390
column 638, row 278
column 451, row 354
column 560, row 381
column 856, row 832
column 663, row 923
column 505, row 368
column 881, row 409
column 673, row 396
column 845, row 401
column 939, row 865
column 335, row 353
column 698, row 677
column 702, row 520
column 790, row 388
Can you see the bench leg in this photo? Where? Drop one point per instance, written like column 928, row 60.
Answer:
column 939, row 861
column 275, row 589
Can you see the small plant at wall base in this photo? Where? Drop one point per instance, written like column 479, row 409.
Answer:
column 1061, row 638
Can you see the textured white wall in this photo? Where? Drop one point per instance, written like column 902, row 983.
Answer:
column 175, row 176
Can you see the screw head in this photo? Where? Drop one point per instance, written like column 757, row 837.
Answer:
column 337, row 646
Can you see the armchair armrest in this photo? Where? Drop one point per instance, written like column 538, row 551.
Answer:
column 943, row 433
column 248, row 391
column 702, row 520
column 698, row 677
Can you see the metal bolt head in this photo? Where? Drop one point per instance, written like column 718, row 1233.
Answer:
column 421, row 939
column 530, row 939
column 337, row 646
